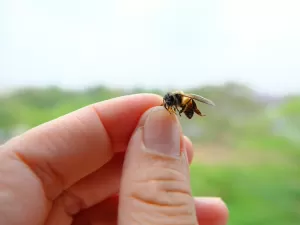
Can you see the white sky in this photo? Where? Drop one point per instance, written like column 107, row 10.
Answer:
column 153, row 43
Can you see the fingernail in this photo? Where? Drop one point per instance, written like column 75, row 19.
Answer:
column 162, row 133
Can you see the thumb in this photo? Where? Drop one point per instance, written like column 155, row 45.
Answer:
column 155, row 185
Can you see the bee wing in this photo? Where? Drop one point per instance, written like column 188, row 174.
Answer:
column 200, row 99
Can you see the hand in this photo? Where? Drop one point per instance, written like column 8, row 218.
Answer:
column 71, row 171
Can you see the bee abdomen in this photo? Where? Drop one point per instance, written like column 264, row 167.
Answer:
column 189, row 113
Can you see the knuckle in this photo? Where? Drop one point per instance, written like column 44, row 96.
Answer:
column 51, row 180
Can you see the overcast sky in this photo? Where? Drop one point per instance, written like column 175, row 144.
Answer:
column 154, row 43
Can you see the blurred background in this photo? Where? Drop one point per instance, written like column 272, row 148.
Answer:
column 58, row 56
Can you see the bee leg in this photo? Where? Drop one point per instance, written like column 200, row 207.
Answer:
column 174, row 109
column 170, row 110
column 182, row 109
column 199, row 112
column 178, row 111
column 167, row 108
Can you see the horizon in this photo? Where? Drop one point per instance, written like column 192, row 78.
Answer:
column 132, row 88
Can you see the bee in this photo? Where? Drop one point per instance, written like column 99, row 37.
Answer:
column 173, row 100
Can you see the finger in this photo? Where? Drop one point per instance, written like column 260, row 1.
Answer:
column 90, row 190
column 155, row 185
column 46, row 160
column 63, row 151
column 189, row 149
column 210, row 211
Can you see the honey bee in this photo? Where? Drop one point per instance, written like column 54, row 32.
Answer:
column 173, row 100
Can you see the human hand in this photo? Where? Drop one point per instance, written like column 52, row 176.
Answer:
column 70, row 171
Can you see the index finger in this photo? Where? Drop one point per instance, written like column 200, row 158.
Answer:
column 64, row 150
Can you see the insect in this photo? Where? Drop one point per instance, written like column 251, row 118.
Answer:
column 173, row 100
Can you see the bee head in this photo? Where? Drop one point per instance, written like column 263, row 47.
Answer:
column 170, row 99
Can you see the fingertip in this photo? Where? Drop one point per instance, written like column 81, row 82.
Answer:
column 146, row 113
column 188, row 145
column 211, row 210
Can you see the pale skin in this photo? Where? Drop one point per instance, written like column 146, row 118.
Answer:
column 74, row 170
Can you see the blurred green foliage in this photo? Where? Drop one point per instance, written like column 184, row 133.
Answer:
column 255, row 194
column 255, row 163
